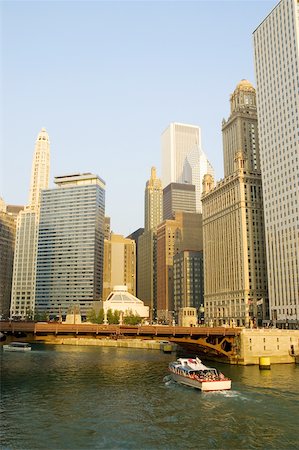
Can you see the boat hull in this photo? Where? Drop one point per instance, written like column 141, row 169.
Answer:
column 8, row 348
column 205, row 386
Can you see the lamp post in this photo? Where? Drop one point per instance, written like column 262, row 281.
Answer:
column 201, row 313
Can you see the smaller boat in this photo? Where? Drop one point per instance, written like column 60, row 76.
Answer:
column 193, row 373
column 17, row 347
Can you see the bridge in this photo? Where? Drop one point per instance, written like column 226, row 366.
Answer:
column 218, row 342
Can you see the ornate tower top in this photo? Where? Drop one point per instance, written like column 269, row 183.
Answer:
column 243, row 97
column 154, row 182
column 40, row 173
column 153, row 201
column 208, row 183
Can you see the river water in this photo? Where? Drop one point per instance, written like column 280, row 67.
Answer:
column 66, row 397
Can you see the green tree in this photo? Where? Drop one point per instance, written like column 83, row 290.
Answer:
column 116, row 317
column 41, row 317
column 113, row 316
column 94, row 317
column 91, row 316
column 101, row 316
column 131, row 318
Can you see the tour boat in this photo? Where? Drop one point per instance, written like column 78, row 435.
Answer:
column 193, row 373
column 17, row 347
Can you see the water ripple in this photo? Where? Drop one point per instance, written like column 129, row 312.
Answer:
column 107, row 398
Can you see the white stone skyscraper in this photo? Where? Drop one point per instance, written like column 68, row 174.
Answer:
column 40, row 173
column 24, row 270
column 276, row 49
column 183, row 160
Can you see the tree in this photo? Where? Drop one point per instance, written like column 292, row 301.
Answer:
column 91, row 316
column 29, row 314
column 116, row 317
column 113, row 316
column 94, row 317
column 41, row 317
column 132, row 318
column 101, row 316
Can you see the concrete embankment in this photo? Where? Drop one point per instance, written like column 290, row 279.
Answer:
column 279, row 346
column 102, row 342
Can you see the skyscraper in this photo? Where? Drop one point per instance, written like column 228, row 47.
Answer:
column 40, row 172
column 24, row 270
column 119, row 264
column 153, row 202
column 239, row 132
column 107, row 229
column 276, row 50
column 183, row 160
column 147, row 242
column 135, row 235
column 7, row 246
column 188, row 280
column 71, row 245
column 235, row 276
column 183, row 232
column 178, row 197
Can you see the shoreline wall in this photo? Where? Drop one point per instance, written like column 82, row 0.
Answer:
column 102, row 342
column 274, row 343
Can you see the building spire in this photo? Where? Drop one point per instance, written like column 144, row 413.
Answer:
column 40, row 172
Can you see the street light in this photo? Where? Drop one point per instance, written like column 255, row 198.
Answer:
column 201, row 312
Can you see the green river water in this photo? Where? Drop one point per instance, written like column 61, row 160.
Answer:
column 66, row 397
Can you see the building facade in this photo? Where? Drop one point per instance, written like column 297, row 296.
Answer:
column 234, row 251
column 276, row 50
column 119, row 264
column 135, row 237
column 24, row 269
column 178, row 197
column 70, row 250
column 183, row 160
column 188, row 281
column 153, row 202
column 233, row 225
column 173, row 236
column 107, row 229
column 147, row 242
column 7, row 246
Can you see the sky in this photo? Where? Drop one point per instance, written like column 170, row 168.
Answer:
column 105, row 78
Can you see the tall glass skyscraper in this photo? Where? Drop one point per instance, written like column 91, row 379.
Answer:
column 276, row 50
column 183, row 160
column 70, row 250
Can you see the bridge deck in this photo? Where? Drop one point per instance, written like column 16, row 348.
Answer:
column 118, row 330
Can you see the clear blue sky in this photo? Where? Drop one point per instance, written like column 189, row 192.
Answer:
column 105, row 78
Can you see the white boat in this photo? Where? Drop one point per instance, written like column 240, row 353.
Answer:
column 17, row 347
column 193, row 373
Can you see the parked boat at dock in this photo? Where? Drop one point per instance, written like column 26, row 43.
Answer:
column 17, row 347
column 193, row 373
